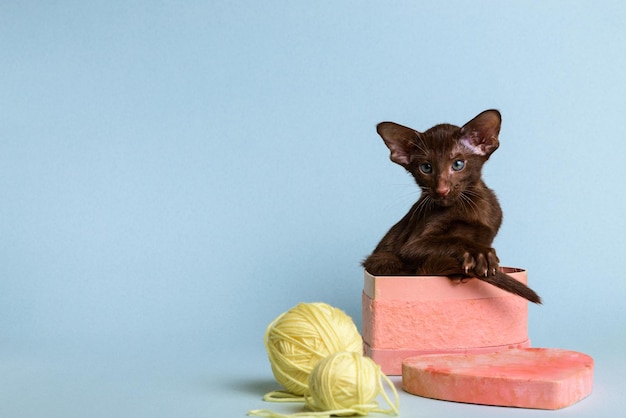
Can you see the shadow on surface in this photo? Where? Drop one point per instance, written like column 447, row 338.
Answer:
column 257, row 387
column 254, row 386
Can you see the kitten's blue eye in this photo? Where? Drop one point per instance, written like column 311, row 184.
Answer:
column 458, row 165
column 426, row 168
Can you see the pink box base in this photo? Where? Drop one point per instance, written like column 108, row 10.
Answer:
column 405, row 316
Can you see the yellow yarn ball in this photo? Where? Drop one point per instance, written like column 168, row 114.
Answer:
column 347, row 383
column 299, row 338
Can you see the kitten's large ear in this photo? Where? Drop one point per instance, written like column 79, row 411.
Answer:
column 400, row 140
column 480, row 135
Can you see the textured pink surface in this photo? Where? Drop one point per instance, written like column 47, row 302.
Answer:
column 390, row 360
column 540, row 378
column 417, row 314
column 444, row 324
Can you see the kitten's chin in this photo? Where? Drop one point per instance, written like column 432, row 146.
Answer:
column 445, row 202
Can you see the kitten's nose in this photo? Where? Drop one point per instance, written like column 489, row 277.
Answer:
column 443, row 191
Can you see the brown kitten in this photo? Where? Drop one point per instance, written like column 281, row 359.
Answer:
column 449, row 231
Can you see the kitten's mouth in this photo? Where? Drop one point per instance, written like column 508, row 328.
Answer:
column 444, row 201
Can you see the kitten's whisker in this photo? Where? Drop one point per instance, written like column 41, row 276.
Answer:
column 419, row 208
column 469, row 203
column 421, row 147
column 423, row 205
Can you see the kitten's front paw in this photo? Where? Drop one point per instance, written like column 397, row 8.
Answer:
column 480, row 263
column 384, row 264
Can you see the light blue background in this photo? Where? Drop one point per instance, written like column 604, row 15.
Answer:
column 174, row 175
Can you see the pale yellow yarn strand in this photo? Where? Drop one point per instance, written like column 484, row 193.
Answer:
column 299, row 338
column 343, row 384
column 282, row 396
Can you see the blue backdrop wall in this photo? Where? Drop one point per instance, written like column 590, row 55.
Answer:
column 173, row 175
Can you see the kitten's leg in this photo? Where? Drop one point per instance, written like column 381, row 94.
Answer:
column 442, row 266
column 483, row 264
column 385, row 264
column 470, row 261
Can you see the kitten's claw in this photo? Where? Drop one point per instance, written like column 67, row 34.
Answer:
column 468, row 262
column 481, row 263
